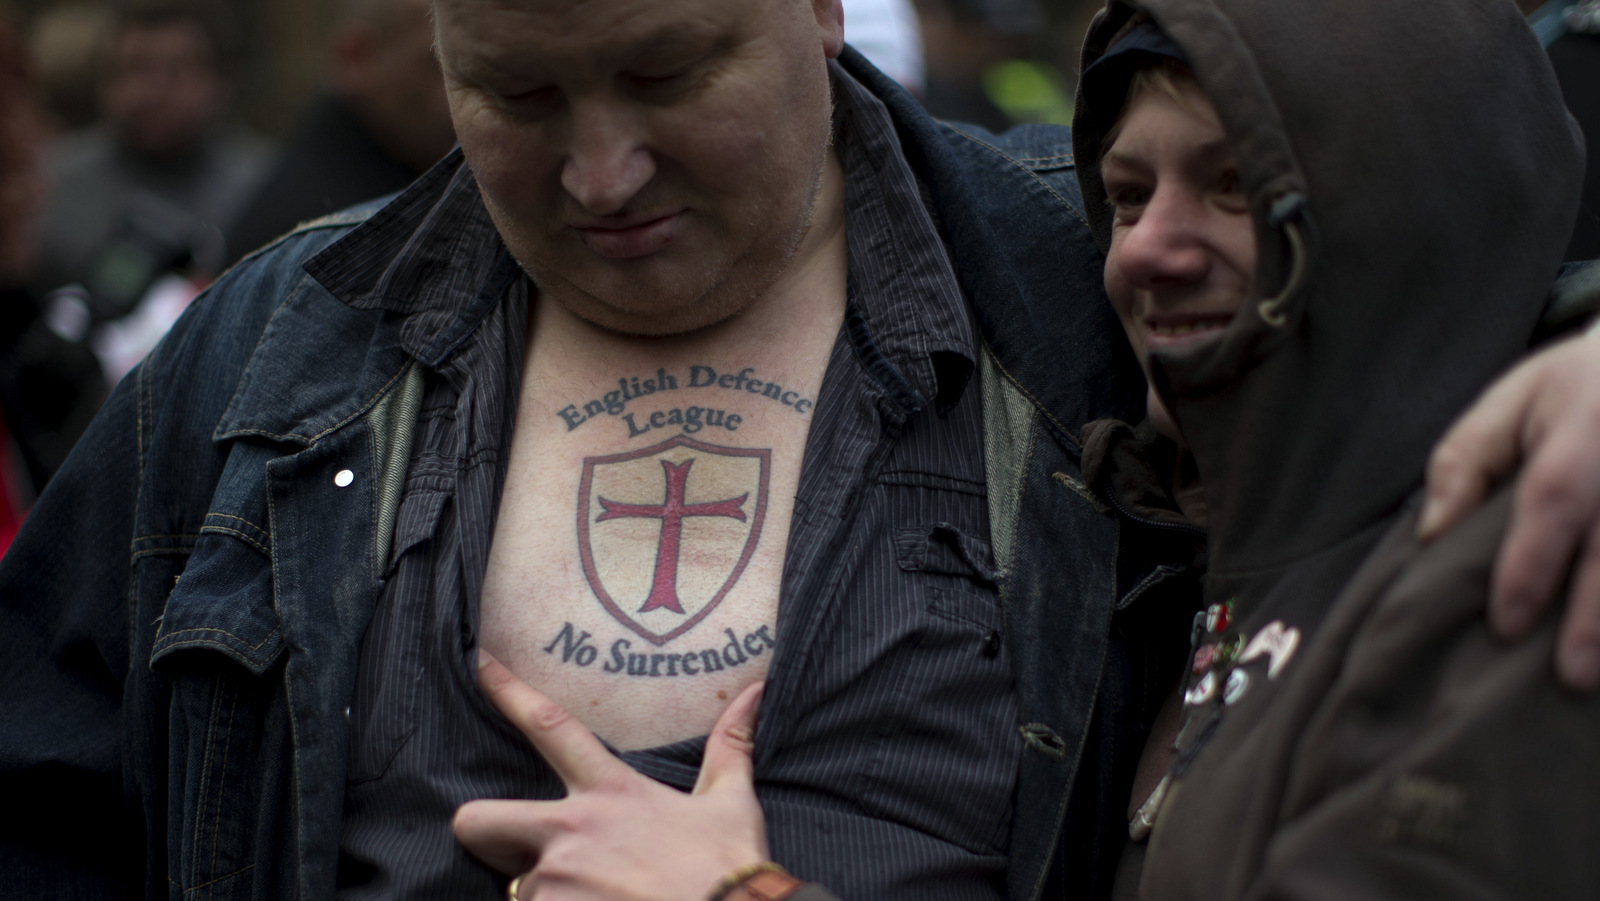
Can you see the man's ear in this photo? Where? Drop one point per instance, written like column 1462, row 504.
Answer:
column 830, row 19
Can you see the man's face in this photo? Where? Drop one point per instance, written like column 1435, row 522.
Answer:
column 652, row 164
column 163, row 88
column 1183, row 246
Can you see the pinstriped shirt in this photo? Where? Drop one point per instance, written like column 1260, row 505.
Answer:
column 886, row 754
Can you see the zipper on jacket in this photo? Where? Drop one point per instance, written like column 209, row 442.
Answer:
column 1121, row 507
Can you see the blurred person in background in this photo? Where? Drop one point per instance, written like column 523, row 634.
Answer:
column 146, row 193
column 66, row 46
column 49, row 388
column 888, row 34
column 981, row 65
column 382, row 122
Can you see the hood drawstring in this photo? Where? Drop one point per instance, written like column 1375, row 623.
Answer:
column 1285, row 214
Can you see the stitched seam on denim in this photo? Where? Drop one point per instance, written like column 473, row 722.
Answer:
column 324, row 223
column 167, row 642
column 294, row 730
column 375, row 468
column 312, row 439
column 141, row 387
column 162, row 552
column 224, row 530
column 247, row 522
column 1031, row 174
column 179, row 886
column 1058, row 158
column 205, row 779
column 1077, row 487
column 1006, row 374
column 140, row 406
column 366, row 407
column 227, row 747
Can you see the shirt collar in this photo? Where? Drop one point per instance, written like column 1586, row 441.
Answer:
column 902, row 284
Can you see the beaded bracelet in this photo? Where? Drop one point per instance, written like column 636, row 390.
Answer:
column 741, row 875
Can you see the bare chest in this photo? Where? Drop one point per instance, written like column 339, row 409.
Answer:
column 635, row 569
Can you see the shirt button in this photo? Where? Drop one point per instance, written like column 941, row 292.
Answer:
column 344, row 478
column 991, row 644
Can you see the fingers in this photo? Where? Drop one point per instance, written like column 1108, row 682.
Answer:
column 1578, row 649
column 566, row 744
column 1556, row 504
column 506, row 835
column 726, row 763
column 1482, row 447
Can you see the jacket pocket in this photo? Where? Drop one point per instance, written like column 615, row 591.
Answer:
column 221, row 605
column 220, row 643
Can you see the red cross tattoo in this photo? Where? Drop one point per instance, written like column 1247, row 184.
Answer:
column 671, row 512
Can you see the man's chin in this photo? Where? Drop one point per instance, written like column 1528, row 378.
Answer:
column 656, row 314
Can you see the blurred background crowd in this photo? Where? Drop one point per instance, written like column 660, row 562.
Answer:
column 146, row 145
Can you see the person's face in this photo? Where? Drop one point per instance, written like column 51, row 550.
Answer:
column 1183, row 247
column 652, row 164
column 163, row 88
column 390, row 75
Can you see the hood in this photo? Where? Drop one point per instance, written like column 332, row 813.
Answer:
column 1413, row 176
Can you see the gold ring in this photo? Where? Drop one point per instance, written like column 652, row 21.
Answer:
column 511, row 890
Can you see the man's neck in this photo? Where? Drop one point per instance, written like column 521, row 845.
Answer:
column 810, row 288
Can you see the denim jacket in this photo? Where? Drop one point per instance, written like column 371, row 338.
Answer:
column 175, row 709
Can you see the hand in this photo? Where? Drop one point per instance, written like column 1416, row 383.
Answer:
column 618, row 835
column 1545, row 411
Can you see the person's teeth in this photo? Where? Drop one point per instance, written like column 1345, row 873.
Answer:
column 1187, row 328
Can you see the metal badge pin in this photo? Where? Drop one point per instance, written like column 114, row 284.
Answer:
column 1219, row 617
column 1238, row 684
column 1276, row 642
column 344, row 478
column 1202, row 691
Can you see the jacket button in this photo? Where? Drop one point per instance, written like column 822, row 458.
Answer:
column 344, row 478
column 991, row 644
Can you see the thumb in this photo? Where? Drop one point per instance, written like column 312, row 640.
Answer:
column 727, row 764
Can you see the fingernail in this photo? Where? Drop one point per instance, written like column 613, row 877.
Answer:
column 1580, row 667
column 485, row 658
column 1432, row 512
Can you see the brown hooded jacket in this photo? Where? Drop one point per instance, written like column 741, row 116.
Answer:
column 1352, row 730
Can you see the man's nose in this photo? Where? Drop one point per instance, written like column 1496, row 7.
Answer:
column 1166, row 245
column 607, row 162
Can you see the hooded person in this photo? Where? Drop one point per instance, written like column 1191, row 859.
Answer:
column 1348, row 727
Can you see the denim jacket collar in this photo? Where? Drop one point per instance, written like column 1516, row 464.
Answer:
column 362, row 310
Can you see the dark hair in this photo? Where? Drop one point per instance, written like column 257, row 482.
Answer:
column 1160, row 74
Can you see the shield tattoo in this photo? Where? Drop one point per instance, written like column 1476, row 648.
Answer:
column 666, row 531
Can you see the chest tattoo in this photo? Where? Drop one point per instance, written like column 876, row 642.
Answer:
column 666, row 531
